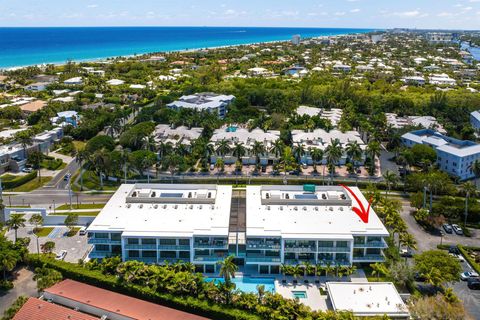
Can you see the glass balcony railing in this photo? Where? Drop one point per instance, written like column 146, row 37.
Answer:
column 99, row 254
column 103, row 241
column 369, row 258
column 144, row 260
column 174, row 247
column 140, row 246
column 333, row 249
column 300, row 249
column 211, row 245
column 209, row 258
column 263, row 246
column 299, row 261
column 371, row 244
column 264, row 259
column 173, row 260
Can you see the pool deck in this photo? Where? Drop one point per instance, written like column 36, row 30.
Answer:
column 314, row 299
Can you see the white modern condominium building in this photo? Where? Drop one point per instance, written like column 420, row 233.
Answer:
column 453, row 156
column 157, row 223
column 314, row 224
column 207, row 101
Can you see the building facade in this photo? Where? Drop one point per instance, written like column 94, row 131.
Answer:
column 207, row 101
column 453, row 156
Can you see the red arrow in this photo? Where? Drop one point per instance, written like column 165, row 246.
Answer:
column 360, row 212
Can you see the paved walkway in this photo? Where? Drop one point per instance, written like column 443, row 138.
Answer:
column 24, row 285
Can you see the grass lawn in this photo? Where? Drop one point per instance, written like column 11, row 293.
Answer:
column 91, row 181
column 26, row 206
column 43, row 231
column 79, row 145
column 31, row 185
column 8, row 177
column 66, row 206
column 86, row 213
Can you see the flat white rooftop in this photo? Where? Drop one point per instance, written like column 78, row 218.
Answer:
column 290, row 212
column 367, row 299
column 166, row 210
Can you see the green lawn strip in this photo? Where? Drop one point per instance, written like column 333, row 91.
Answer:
column 86, row 213
column 26, row 206
column 43, row 231
column 81, row 206
column 73, row 231
column 31, row 185
column 470, row 260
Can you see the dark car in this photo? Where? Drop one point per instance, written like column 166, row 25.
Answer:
column 448, row 228
column 264, row 169
column 419, row 277
column 275, row 173
column 454, row 250
column 474, row 284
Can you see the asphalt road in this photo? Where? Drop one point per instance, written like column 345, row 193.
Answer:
column 24, row 285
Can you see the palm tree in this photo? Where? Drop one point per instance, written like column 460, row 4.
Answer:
column 228, row 268
column 260, row 293
column 379, row 269
column 15, row 222
column 257, row 150
column 238, row 151
column 164, row 149
column 470, row 191
column 317, row 156
column 223, row 148
column 100, row 163
column 298, row 152
column 25, row 139
column 390, row 179
column 80, row 157
column 287, row 159
column 354, row 152
column 408, row 241
column 8, row 261
column 277, row 148
column 334, row 154
column 373, row 149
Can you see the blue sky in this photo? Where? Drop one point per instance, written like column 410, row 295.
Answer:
column 444, row 14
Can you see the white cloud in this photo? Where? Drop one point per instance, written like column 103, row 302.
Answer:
column 92, row 6
column 355, row 10
column 340, row 13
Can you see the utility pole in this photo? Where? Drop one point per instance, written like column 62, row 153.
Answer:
column 466, row 208
column 70, row 190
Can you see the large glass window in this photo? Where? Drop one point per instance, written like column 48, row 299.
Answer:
column 342, row 244
column 184, row 242
column 102, row 247
column 359, row 240
column 341, row 257
column 325, row 244
column 133, row 253
column 101, row 235
column 184, row 255
column 116, row 236
column 132, row 241
column 168, row 242
column 149, row 241
column 325, row 256
column 168, row 254
column 149, row 254
column 358, row 252
column 116, row 249
column 373, row 251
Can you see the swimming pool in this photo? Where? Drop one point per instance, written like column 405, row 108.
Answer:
column 299, row 294
column 248, row 285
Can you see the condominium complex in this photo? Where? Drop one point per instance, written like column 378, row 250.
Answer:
column 297, row 224
column 210, row 102
column 453, row 156
column 155, row 223
column 158, row 223
column 321, row 139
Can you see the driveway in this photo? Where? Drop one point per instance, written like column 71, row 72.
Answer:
column 24, row 285
column 386, row 163
column 470, row 298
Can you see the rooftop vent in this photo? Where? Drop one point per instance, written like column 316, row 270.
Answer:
column 200, row 207
column 281, row 208
column 140, row 206
column 164, row 206
column 153, row 195
column 316, row 208
column 295, row 208
column 268, row 208
column 175, row 206
column 330, row 208
column 128, row 205
column 155, row 206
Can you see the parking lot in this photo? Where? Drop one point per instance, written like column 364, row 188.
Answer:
column 76, row 246
column 470, row 298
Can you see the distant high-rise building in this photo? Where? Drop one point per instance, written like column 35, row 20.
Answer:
column 296, row 39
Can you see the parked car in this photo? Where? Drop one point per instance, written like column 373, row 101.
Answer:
column 457, row 229
column 459, row 257
column 454, row 250
column 61, row 255
column 264, row 169
column 406, row 253
column 82, row 231
column 275, row 173
column 474, row 283
column 212, row 166
column 27, row 170
column 447, row 228
column 66, row 177
column 304, row 166
column 419, row 277
column 469, row 275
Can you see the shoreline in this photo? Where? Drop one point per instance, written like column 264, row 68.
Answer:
column 106, row 58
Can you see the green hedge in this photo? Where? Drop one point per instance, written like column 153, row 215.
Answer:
column 11, row 184
column 472, row 262
column 185, row 303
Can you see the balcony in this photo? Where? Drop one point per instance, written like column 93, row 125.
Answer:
column 173, row 260
column 211, row 245
column 299, row 261
column 371, row 244
column 263, row 259
column 208, row 258
column 255, row 246
column 333, row 249
column 140, row 246
column 99, row 254
column 334, row 263
column 369, row 258
column 103, row 241
column 174, row 247
column 144, row 260
column 300, row 249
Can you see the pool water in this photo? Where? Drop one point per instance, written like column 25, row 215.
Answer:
column 299, row 294
column 232, row 129
column 249, row 285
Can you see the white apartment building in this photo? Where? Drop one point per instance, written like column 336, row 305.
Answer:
column 168, row 134
column 207, row 101
column 297, row 224
column 155, row 223
column 475, row 120
column 321, row 139
column 247, row 138
column 453, row 156
column 427, row 122
column 442, row 79
column 333, row 115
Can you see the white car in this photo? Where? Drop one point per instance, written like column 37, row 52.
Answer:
column 469, row 274
column 61, row 255
column 459, row 257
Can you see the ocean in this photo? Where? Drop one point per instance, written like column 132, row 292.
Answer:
column 30, row 46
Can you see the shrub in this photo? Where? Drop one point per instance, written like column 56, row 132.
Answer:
column 471, row 261
column 6, row 285
column 10, row 312
column 11, row 184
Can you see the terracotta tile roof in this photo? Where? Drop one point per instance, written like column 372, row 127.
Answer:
column 33, row 106
column 117, row 303
column 36, row 309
